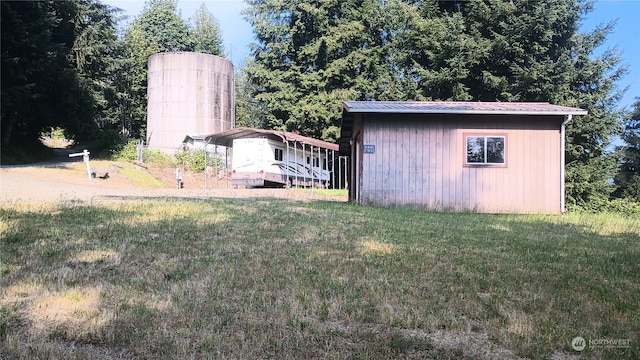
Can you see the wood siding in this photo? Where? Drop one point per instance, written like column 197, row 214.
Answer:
column 420, row 160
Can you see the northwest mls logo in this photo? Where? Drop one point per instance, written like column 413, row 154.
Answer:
column 578, row 343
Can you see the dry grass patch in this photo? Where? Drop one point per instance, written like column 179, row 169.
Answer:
column 288, row 280
column 375, row 247
column 70, row 310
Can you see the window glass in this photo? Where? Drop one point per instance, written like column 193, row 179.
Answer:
column 495, row 150
column 278, row 154
column 485, row 149
column 475, row 149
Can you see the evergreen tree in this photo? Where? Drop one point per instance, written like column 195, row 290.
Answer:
column 249, row 111
column 52, row 64
column 159, row 28
column 33, row 50
column 97, row 55
column 163, row 26
column 207, row 36
column 523, row 51
column 627, row 179
column 591, row 86
column 312, row 55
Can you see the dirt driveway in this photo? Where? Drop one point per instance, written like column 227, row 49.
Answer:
column 68, row 181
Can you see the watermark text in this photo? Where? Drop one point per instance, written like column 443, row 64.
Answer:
column 579, row 343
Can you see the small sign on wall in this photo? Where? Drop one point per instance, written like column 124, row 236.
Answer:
column 369, row 149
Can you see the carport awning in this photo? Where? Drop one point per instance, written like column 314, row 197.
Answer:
column 226, row 138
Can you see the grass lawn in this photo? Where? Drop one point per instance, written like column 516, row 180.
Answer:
column 286, row 280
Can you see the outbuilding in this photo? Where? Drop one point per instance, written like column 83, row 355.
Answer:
column 481, row 156
column 195, row 142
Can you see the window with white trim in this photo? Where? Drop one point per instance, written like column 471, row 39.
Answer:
column 485, row 150
column 278, row 154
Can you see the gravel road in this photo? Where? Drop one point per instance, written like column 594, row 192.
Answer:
column 66, row 180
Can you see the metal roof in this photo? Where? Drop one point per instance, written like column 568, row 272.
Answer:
column 457, row 107
column 226, row 138
column 194, row 137
column 442, row 107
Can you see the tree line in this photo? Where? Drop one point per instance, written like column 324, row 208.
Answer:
column 71, row 64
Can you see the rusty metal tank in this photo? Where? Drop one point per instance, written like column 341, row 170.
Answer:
column 188, row 94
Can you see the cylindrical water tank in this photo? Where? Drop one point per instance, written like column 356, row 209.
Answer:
column 188, row 94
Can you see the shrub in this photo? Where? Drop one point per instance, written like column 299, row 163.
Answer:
column 57, row 133
column 127, row 152
column 158, row 158
column 625, row 206
column 193, row 160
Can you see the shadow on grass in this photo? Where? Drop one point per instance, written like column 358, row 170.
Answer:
column 286, row 279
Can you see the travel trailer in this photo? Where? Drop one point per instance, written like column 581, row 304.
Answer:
column 263, row 162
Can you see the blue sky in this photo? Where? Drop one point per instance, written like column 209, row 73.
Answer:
column 624, row 37
column 237, row 33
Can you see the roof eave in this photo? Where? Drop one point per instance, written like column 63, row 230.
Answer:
column 464, row 112
column 350, row 108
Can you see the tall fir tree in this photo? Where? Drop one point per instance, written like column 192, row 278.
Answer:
column 592, row 86
column 36, row 44
column 627, row 180
column 159, row 28
column 97, row 55
column 49, row 46
column 206, row 33
column 249, row 111
column 310, row 56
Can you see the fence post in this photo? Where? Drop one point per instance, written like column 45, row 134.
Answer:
column 85, row 157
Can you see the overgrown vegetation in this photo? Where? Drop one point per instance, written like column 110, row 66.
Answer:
column 192, row 160
column 624, row 206
column 129, row 152
column 197, row 160
column 287, row 280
